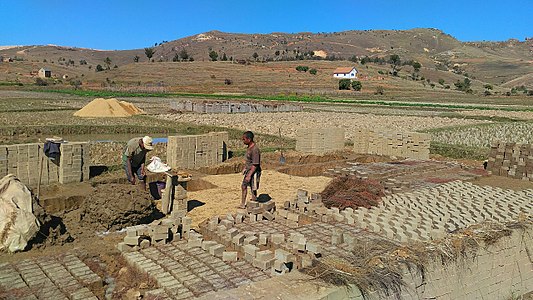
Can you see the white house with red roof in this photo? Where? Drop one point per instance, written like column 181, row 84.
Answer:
column 345, row 72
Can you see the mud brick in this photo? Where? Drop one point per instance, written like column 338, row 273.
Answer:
column 316, row 197
column 269, row 205
column 293, row 217
column 132, row 240
column 206, row 245
column 226, row 223
column 263, row 264
column 313, row 247
column 238, row 239
column 278, row 238
column 159, row 236
column 283, row 213
column 306, row 260
column 239, row 218
column 268, row 215
column 232, row 232
column 229, row 256
column 253, row 240
column 144, row 244
column 123, row 247
column 252, row 204
column 250, row 249
column 264, row 255
column 284, row 256
column 287, row 205
column 263, row 238
column 186, row 220
column 163, row 229
column 191, row 243
column 217, row 250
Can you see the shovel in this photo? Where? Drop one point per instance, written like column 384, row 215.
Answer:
column 281, row 158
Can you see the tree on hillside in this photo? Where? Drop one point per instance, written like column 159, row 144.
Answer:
column 213, row 55
column 99, row 68
column 184, row 55
column 416, row 66
column 464, row 85
column 149, row 52
column 356, row 85
column 136, row 58
column 395, row 63
column 224, row 57
column 107, row 62
column 276, row 53
column 344, row 84
column 255, row 55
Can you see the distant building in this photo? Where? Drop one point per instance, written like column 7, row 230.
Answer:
column 345, row 72
column 45, row 73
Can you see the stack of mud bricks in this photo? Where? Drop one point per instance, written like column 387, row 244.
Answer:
column 157, row 232
column 431, row 213
column 196, row 151
column 320, row 140
column 234, row 107
column 24, row 161
column 298, row 210
column 511, row 160
column 402, row 144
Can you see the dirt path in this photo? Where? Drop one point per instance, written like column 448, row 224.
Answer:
column 226, row 195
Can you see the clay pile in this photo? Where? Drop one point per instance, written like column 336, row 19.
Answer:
column 108, row 108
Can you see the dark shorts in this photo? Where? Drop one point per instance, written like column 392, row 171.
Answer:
column 135, row 171
column 254, row 181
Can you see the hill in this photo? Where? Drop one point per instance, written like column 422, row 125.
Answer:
column 441, row 55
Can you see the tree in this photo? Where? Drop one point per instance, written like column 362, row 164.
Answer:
column 312, row 71
column 40, row 82
column 416, row 66
column 224, row 57
column 464, row 85
column 176, row 58
column 302, row 68
column 136, row 58
column 184, row 55
column 255, row 55
column 83, row 62
column 488, row 86
column 99, row 68
column 353, row 58
column 379, row 90
column 276, row 53
column 107, row 62
column 75, row 83
column 441, row 81
column 213, row 55
column 395, row 62
column 149, row 52
column 356, row 85
column 344, row 84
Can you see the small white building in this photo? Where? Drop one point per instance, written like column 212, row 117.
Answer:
column 349, row 72
column 45, row 73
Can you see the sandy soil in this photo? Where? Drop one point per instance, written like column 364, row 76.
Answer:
column 504, row 182
column 225, row 197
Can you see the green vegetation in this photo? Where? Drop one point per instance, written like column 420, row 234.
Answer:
column 302, row 68
column 99, row 68
column 356, row 85
column 291, row 98
column 464, row 85
column 149, row 52
column 213, row 55
column 344, row 84
column 459, row 151
column 312, row 71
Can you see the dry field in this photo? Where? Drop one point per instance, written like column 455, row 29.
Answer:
column 290, row 122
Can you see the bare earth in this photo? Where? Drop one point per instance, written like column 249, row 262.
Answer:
column 226, row 196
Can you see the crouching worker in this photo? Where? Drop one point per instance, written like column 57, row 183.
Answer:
column 134, row 157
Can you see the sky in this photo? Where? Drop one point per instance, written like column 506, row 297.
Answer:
column 132, row 24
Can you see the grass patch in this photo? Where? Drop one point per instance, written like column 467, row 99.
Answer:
column 459, row 151
column 288, row 98
column 480, row 118
column 5, row 83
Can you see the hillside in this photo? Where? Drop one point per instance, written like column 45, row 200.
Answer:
column 441, row 55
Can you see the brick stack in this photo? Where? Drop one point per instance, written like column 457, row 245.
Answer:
column 402, row 144
column 319, row 140
column 233, row 107
column 24, row 161
column 195, row 151
column 511, row 160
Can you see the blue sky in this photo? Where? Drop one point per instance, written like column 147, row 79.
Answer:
column 130, row 24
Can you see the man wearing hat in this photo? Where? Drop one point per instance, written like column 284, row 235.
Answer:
column 134, row 157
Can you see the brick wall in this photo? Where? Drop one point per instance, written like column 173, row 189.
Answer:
column 402, row 144
column 195, row 151
column 24, row 161
column 233, row 107
column 511, row 160
column 319, row 140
